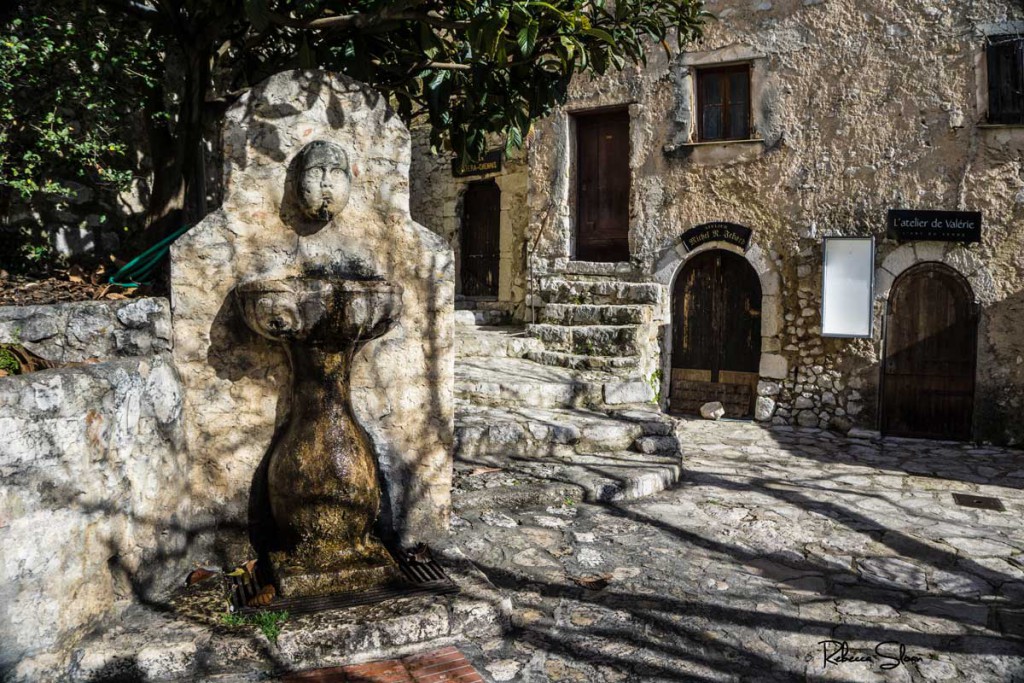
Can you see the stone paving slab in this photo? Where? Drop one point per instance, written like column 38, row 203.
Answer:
column 781, row 548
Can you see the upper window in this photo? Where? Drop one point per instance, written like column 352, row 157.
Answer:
column 723, row 103
column 1006, row 79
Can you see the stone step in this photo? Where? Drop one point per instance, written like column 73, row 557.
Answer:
column 494, row 342
column 520, row 382
column 581, row 362
column 666, row 444
column 481, row 316
column 589, row 340
column 559, row 290
column 592, row 314
column 622, row 270
column 490, row 482
column 538, row 431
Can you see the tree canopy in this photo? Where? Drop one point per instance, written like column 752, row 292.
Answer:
column 87, row 87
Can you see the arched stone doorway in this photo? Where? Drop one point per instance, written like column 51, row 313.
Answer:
column 716, row 334
column 930, row 354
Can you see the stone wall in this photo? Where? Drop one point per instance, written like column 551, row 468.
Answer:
column 93, row 501
column 237, row 384
column 859, row 106
column 436, row 203
column 89, row 330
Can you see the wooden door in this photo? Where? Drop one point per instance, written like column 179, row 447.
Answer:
column 930, row 351
column 481, row 251
column 716, row 334
column 602, row 177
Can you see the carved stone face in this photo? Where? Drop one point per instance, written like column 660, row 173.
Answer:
column 324, row 180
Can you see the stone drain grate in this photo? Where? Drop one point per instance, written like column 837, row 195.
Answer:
column 980, row 502
column 422, row 576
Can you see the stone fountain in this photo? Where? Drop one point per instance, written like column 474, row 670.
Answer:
column 322, row 478
column 335, row 418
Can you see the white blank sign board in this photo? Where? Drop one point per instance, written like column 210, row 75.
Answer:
column 847, row 284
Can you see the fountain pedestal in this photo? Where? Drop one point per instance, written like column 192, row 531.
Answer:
column 322, row 479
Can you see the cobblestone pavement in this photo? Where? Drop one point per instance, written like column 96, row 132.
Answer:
column 778, row 540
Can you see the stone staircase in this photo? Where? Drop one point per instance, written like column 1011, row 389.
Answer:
column 528, row 433
column 597, row 320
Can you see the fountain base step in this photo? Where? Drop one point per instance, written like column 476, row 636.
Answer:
column 359, row 576
column 187, row 639
column 411, row 577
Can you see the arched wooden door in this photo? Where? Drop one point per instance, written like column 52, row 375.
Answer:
column 480, row 252
column 716, row 334
column 930, row 350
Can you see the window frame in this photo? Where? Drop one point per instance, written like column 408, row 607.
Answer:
column 1002, row 117
column 702, row 72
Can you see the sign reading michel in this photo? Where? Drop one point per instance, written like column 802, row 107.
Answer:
column 718, row 231
column 942, row 226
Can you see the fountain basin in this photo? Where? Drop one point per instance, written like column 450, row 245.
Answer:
column 329, row 313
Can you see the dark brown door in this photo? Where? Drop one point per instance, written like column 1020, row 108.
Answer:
column 930, row 347
column 716, row 334
column 481, row 216
column 602, row 176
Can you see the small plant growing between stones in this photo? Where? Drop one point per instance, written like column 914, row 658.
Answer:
column 655, row 381
column 269, row 623
column 9, row 364
column 568, row 502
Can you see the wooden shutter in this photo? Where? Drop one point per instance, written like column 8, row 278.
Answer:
column 1005, row 80
column 602, row 176
column 723, row 103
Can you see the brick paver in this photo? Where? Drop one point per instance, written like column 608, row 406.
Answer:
column 446, row 665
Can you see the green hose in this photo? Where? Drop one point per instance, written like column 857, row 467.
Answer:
column 137, row 271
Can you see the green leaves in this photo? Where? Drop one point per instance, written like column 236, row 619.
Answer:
column 66, row 99
column 258, row 14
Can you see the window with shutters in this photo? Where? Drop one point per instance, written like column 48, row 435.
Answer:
column 1005, row 62
column 602, row 186
column 723, row 103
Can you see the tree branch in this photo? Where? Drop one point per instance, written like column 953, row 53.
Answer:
column 362, row 20
column 138, row 10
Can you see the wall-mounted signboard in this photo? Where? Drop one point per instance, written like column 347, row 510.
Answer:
column 717, row 232
column 847, row 285
column 942, row 226
column 491, row 163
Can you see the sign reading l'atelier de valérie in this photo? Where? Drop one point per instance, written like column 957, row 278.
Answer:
column 719, row 231
column 941, row 226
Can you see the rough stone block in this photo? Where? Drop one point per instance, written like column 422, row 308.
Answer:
column 764, row 409
column 616, row 393
column 712, row 411
column 774, row 366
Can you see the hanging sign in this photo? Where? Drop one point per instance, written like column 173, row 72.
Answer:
column 719, row 231
column 941, row 226
column 847, row 286
column 491, row 163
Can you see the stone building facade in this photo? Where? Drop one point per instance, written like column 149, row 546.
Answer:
column 854, row 108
